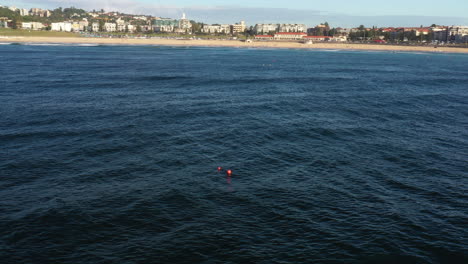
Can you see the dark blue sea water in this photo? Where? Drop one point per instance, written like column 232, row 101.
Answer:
column 109, row 154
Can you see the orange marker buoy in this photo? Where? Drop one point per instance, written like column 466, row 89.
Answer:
column 220, row 168
column 229, row 172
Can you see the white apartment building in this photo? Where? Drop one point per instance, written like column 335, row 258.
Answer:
column 110, row 27
column 61, row 26
column 131, row 28
column 24, row 12
column 216, row 29
column 95, row 27
column 458, row 34
column 292, row 28
column 32, row 25
column 121, row 27
column 238, row 28
column 266, row 28
column 39, row 12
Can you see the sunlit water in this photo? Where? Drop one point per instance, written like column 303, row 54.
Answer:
column 109, row 155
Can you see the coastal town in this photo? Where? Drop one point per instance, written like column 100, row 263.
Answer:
column 100, row 23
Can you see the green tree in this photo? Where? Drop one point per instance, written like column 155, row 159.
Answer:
column 319, row 31
column 5, row 12
column 101, row 25
column 362, row 30
column 196, row 26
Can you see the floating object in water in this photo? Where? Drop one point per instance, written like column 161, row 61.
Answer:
column 229, row 172
column 220, row 168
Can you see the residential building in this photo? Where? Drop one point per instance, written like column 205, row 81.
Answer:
column 4, row 22
column 238, row 28
column 344, row 31
column 121, row 25
column 184, row 25
column 32, row 25
column 140, row 18
column 165, row 24
column 95, row 27
column 145, row 28
column 39, row 12
column 216, row 29
column 458, row 34
column 289, row 35
column 131, row 28
column 339, row 38
column 24, row 12
column 13, row 8
column 421, row 31
column 83, row 25
column 112, row 14
column 266, row 28
column 439, row 33
column 110, row 27
column 292, row 28
column 76, row 27
column 61, row 26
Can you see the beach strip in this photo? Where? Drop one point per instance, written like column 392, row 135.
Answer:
column 231, row 43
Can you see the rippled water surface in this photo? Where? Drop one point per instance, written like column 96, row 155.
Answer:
column 110, row 155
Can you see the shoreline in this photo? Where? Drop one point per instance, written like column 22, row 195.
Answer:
column 230, row 43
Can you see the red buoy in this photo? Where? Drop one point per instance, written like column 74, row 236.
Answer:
column 229, row 172
column 220, row 168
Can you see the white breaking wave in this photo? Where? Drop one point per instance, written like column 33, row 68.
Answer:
column 87, row 45
column 43, row 44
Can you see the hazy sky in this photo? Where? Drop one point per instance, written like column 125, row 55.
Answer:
column 351, row 7
column 336, row 12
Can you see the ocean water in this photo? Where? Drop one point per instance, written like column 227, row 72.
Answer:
column 109, row 154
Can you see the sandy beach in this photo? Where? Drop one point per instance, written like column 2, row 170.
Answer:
column 231, row 43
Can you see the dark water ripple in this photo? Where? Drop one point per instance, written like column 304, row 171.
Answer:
column 109, row 155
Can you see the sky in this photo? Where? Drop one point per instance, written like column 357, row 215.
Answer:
column 344, row 13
